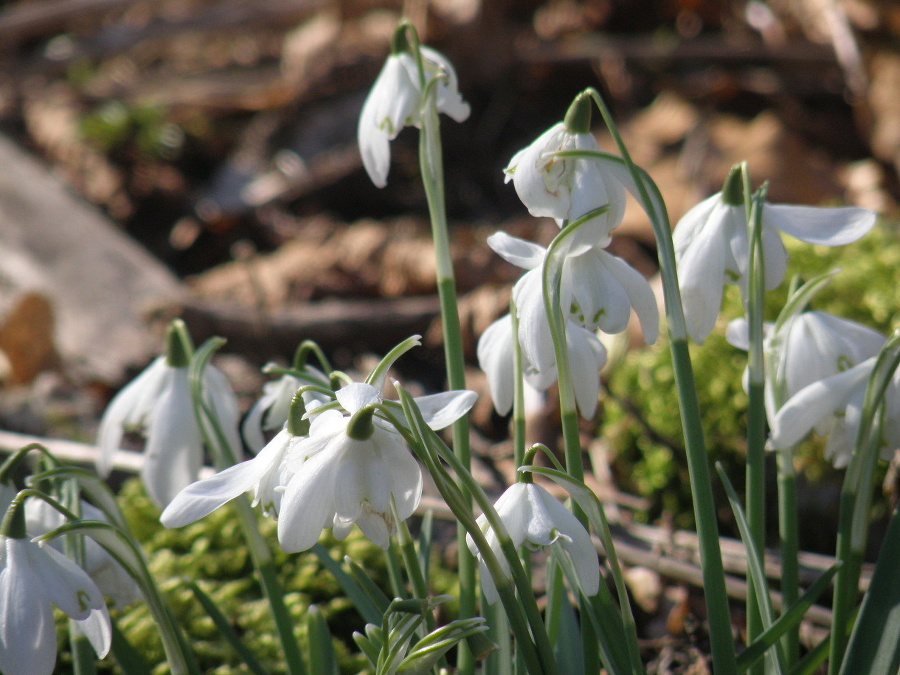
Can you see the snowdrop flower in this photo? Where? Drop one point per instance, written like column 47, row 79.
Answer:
column 807, row 347
column 111, row 578
column 352, row 468
column 395, row 100
column 270, row 413
column 32, row 576
column 496, row 353
column 712, row 246
column 566, row 188
column 533, row 517
column 833, row 406
column 158, row 405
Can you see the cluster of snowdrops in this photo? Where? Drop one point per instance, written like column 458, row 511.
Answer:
column 331, row 453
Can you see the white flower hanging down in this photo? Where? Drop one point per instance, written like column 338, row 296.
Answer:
column 712, row 246
column 395, row 100
column 833, row 407
column 347, row 475
column 111, row 578
column 32, row 576
column 567, row 188
column 807, row 347
column 157, row 404
column 535, row 518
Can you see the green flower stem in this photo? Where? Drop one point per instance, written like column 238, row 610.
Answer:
column 790, row 551
column 225, row 456
column 431, row 163
column 518, row 416
column 84, row 661
column 756, row 415
column 701, row 482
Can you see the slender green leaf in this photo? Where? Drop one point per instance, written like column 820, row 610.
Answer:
column 786, row 621
column 321, row 658
column 367, row 605
column 126, row 656
column 874, row 646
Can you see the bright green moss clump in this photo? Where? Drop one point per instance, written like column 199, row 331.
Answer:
column 640, row 417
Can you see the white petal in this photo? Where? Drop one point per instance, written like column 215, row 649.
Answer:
column 63, row 582
column 443, row 409
column 174, row 451
column 496, row 358
column 738, row 333
column 449, row 100
column 815, row 403
column 514, row 510
column 693, row 223
column 639, row 293
column 520, row 252
column 831, row 226
column 27, row 631
column 308, row 503
column 534, row 326
column 540, row 178
column 98, row 630
column 701, row 273
column 586, row 357
column 205, row 496
column 774, row 258
column 356, row 396
column 125, row 410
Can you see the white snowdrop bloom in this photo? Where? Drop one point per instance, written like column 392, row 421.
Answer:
column 344, row 476
column 567, row 188
column 712, row 248
column 395, row 100
column 534, row 517
column 157, row 404
column 807, row 347
column 32, row 576
column 270, row 412
column 833, row 406
column 111, row 578
column 496, row 358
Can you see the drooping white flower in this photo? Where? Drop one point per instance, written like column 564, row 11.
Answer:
column 111, row 578
column 587, row 356
column 534, row 517
column 340, row 480
column 712, row 248
column 32, row 576
column 567, row 188
column 395, row 100
column 270, row 412
column 833, row 406
column 807, row 347
column 157, row 404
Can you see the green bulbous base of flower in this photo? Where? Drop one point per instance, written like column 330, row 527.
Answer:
column 178, row 348
column 578, row 116
column 733, row 187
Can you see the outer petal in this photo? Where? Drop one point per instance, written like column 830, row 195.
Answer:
column 356, row 396
column 534, row 327
column 443, row 409
column 587, row 358
column 520, row 252
column 173, row 454
column 308, row 503
column 205, row 496
column 639, row 293
column 98, row 630
column 449, row 100
column 62, row 581
column 701, row 272
column 496, row 358
column 815, row 403
column 130, row 406
column 577, row 542
column 831, row 226
column 539, row 178
column 27, row 631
